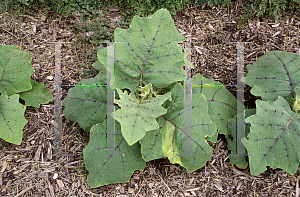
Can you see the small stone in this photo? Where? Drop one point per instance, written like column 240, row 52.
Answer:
column 130, row 190
column 50, row 77
column 43, row 18
column 34, row 28
column 55, row 176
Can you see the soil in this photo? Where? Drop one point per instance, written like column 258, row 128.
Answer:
column 30, row 169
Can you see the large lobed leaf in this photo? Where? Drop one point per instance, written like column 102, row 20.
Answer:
column 115, row 167
column 170, row 139
column 274, row 137
column 39, row 94
column 138, row 116
column 274, row 74
column 87, row 102
column 147, row 52
column 12, row 120
column 15, row 70
column 222, row 105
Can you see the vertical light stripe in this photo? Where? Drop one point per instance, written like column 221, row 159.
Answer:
column 188, row 101
column 240, row 148
column 110, row 98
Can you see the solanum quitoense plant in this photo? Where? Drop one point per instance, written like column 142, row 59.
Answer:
column 149, row 105
column 15, row 83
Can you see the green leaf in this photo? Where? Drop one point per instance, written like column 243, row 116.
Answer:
column 296, row 100
column 168, row 148
column 145, row 91
column 103, row 74
column 15, row 70
column 222, row 105
column 274, row 74
column 39, row 94
column 274, row 137
column 138, row 116
column 116, row 167
column 12, row 120
column 170, row 139
column 238, row 160
column 87, row 102
column 99, row 66
column 147, row 52
column 211, row 3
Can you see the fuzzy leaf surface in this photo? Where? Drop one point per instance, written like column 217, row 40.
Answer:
column 15, row 70
column 39, row 94
column 222, row 105
column 274, row 74
column 170, row 138
column 138, row 116
column 147, row 52
column 87, row 102
column 12, row 120
column 116, row 167
column 274, row 137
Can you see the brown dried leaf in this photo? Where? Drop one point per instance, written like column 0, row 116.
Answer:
column 219, row 187
column 60, row 184
column 37, row 153
column 4, row 165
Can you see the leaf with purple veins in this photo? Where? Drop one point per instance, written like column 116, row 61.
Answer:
column 147, row 52
column 274, row 74
column 274, row 137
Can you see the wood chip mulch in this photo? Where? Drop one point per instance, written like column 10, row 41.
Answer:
column 30, row 168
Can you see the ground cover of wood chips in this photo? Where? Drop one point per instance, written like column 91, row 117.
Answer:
column 30, row 168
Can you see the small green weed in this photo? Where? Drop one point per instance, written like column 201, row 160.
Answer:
column 93, row 30
column 97, row 29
